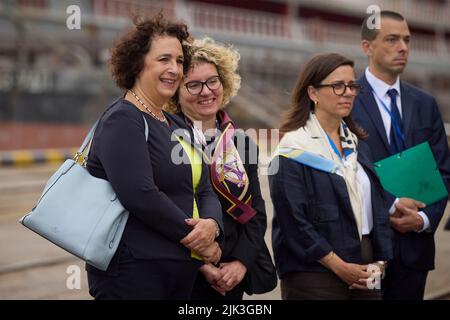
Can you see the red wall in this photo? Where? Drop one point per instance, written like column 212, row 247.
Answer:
column 257, row 5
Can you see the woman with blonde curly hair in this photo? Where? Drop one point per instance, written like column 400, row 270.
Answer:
column 209, row 84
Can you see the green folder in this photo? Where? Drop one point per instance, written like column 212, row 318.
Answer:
column 412, row 173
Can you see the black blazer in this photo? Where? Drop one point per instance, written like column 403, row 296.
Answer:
column 313, row 216
column 422, row 122
column 245, row 242
column 157, row 192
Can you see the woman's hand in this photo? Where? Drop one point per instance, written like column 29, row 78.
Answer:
column 202, row 234
column 211, row 254
column 355, row 275
column 232, row 274
column 212, row 274
column 376, row 271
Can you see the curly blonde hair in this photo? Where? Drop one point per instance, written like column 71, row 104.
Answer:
column 225, row 58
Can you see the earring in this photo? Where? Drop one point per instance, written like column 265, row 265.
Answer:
column 316, row 103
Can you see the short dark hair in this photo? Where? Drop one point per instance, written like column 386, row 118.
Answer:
column 370, row 34
column 313, row 73
column 128, row 53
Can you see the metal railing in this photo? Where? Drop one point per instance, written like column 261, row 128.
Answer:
column 121, row 8
column 420, row 13
column 241, row 21
column 213, row 19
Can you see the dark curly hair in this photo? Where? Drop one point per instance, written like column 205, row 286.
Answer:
column 127, row 55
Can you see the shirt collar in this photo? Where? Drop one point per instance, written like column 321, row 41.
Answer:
column 379, row 86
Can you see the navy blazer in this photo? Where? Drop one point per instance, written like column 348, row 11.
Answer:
column 313, row 216
column 422, row 122
column 157, row 192
column 245, row 242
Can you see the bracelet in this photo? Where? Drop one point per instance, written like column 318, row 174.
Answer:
column 217, row 229
column 328, row 257
column 331, row 255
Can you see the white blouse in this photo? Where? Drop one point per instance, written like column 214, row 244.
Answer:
column 367, row 221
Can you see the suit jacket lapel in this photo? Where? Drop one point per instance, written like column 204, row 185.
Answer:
column 407, row 110
column 184, row 131
column 369, row 104
column 181, row 130
column 366, row 163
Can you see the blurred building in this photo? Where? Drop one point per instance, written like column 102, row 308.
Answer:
column 51, row 73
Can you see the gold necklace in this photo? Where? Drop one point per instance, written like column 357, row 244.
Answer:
column 147, row 108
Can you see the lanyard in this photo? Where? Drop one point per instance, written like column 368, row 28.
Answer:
column 393, row 122
column 335, row 149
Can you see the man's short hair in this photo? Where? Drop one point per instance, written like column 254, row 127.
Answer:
column 370, row 34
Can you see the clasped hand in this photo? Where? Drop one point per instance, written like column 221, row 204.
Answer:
column 406, row 217
column 371, row 276
column 225, row 277
column 201, row 239
column 357, row 276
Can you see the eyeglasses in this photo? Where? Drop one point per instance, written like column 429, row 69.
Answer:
column 339, row 88
column 196, row 87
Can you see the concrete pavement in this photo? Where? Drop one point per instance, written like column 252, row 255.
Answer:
column 32, row 268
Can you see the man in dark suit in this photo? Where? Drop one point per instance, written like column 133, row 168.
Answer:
column 398, row 116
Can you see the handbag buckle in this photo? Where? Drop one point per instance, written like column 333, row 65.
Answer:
column 84, row 163
column 77, row 155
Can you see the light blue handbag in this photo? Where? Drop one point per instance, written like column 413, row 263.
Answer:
column 79, row 212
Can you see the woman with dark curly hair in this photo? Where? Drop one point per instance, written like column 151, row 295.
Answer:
column 175, row 217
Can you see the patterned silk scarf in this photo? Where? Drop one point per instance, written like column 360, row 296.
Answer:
column 227, row 172
column 310, row 146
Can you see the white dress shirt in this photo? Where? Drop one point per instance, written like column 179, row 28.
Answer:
column 380, row 89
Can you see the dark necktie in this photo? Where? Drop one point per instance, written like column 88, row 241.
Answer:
column 396, row 142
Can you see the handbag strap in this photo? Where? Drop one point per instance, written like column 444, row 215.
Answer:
column 87, row 142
